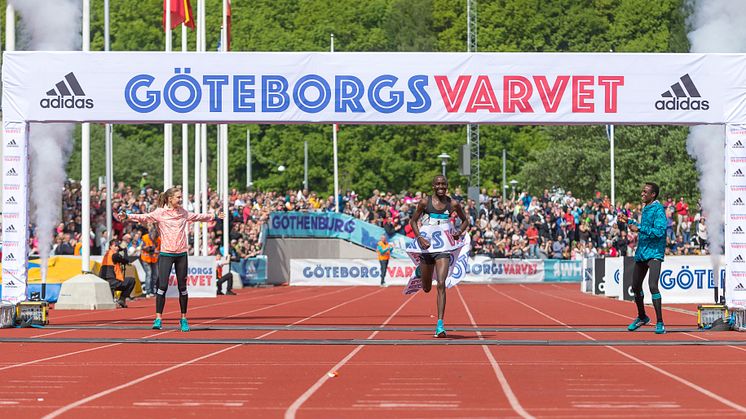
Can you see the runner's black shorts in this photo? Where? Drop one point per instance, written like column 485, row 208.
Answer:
column 430, row 258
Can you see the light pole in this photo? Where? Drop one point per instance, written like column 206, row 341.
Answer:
column 513, row 183
column 444, row 161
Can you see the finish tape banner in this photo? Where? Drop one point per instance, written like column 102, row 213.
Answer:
column 333, row 225
column 201, row 281
column 369, row 87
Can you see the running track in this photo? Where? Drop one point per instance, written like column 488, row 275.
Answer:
column 537, row 350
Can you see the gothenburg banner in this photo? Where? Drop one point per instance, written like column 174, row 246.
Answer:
column 287, row 87
column 332, row 225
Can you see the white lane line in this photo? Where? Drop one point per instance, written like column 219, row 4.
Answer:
column 233, row 301
column 672, row 376
column 100, row 394
column 158, row 334
column 293, row 409
column 507, row 390
column 622, row 315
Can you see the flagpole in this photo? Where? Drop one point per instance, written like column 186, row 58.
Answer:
column 167, row 128
column 198, row 146
column 184, row 140
column 109, row 142
column 613, row 192
column 85, row 183
column 248, row 160
column 336, row 161
column 203, row 144
column 224, row 146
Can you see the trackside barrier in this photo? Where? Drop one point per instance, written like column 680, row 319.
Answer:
column 481, row 269
column 683, row 279
column 253, row 271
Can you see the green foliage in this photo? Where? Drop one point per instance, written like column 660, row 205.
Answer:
column 396, row 158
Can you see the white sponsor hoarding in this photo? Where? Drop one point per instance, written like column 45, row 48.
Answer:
column 481, row 269
column 201, row 280
column 685, row 280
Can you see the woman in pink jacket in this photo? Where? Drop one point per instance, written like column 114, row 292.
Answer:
column 172, row 221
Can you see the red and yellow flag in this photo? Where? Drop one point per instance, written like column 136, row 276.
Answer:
column 181, row 12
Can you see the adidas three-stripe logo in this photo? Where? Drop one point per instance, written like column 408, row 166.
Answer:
column 738, row 173
column 737, row 144
column 738, row 201
column 11, row 172
column 738, row 259
column 62, row 87
column 66, row 94
column 682, row 96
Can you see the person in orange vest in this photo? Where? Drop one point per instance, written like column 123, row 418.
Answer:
column 151, row 248
column 112, row 270
column 224, row 279
column 384, row 254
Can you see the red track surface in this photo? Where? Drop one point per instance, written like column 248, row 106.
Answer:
column 262, row 380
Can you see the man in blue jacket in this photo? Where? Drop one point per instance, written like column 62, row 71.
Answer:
column 651, row 247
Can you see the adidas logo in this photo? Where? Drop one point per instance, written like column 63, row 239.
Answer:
column 10, row 229
column 738, row 259
column 737, row 144
column 9, row 258
column 11, row 201
column 681, row 97
column 738, row 230
column 66, row 94
column 738, row 201
column 738, row 173
column 11, row 172
column 12, row 143
column 739, row 287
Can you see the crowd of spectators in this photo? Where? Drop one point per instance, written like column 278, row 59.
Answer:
column 552, row 225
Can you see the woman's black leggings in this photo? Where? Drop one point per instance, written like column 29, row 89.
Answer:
column 164, row 272
column 638, row 276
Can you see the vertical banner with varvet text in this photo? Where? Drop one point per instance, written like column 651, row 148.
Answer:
column 15, row 210
column 735, row 215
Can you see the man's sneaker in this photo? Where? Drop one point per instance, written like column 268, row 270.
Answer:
column 230, row 293
column 660, row 328
column 220, row 292
column 184, row 325
column 637, row 323
column 440, row 331
column 157, row 324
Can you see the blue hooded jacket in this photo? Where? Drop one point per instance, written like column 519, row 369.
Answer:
column 651, row 242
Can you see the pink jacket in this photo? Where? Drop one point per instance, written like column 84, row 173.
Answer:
column 172, row 226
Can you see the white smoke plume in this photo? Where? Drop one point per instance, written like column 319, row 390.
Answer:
column 717, row 26
column 48, row 26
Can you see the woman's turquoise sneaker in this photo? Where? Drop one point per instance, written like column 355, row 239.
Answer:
column 157, row 324
column 637, row 323
column 184, row 325
column 660, row 328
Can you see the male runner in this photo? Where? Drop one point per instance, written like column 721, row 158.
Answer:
column 436, row 209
